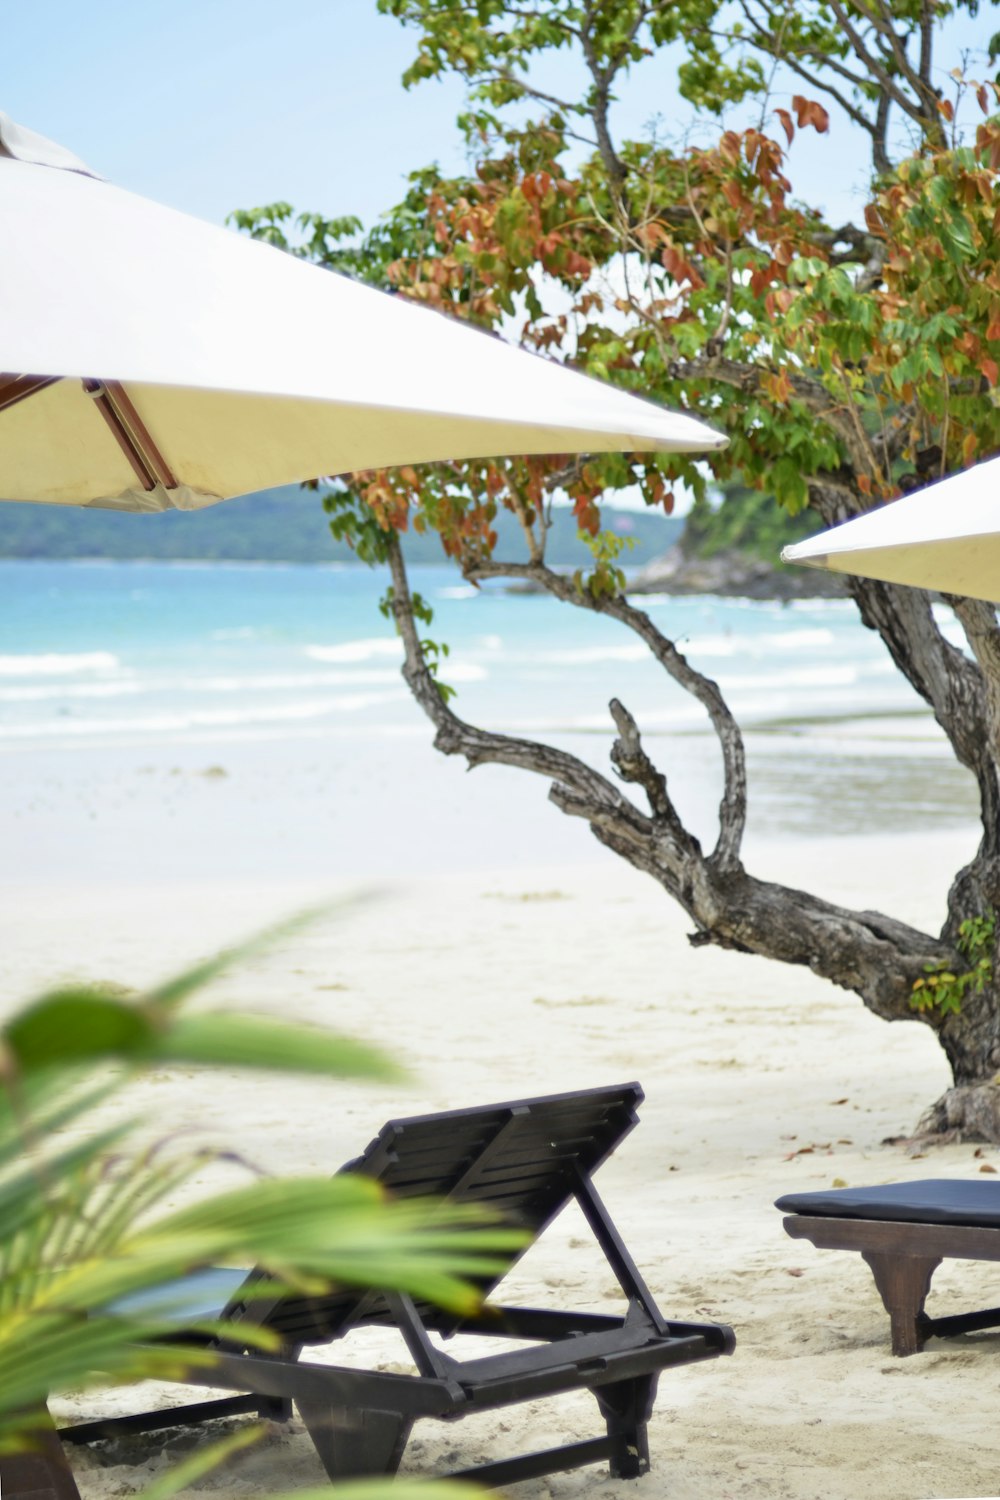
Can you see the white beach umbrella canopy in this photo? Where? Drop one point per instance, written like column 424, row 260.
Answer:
column 154, row 361
column 945, row 537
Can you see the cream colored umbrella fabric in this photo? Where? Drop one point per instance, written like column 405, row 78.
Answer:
column 945, row 537
column 157, row 361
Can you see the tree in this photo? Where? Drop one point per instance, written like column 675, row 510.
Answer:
column 847, row 363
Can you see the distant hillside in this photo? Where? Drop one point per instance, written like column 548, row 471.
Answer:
column 282, row 525
column 732, row 547
column 745, row 520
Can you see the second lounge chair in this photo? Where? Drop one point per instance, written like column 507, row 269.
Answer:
column 903, row 1231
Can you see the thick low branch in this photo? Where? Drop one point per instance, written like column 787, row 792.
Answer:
column 633, row 764
column 591, row 795
column 732, row 809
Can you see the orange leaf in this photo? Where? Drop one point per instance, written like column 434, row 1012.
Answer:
column 984, row 99
column 990, row 370
column 873, row 219
column 993, row 327
column 729, row 146
column 786, row 121
column 759, row 280
column 820, row 118
column 809, row 112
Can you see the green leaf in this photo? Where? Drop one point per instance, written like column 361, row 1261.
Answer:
column 248, row 1041
column 69, row 1026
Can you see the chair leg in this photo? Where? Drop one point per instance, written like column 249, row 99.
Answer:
column 354, row 1441
column 903, row 1282
column 43, row 1474
column 626, row 1407
column 275, row 1408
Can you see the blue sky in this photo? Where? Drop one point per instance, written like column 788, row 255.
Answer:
column 211, row 105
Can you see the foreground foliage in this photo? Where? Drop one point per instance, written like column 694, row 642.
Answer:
column 847, row 363
column 84, row 1222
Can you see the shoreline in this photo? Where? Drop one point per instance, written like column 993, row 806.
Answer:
column 335, row 806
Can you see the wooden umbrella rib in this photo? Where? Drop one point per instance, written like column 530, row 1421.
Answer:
column 116, row 407
column 131, row 433
column 15, row 388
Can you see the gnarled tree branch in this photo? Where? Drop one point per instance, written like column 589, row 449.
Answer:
column 732, row 809
column 875, row 955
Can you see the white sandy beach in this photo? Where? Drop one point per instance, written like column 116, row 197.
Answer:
column 494, row 983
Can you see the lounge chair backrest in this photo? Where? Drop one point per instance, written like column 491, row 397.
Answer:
column 523, row 1159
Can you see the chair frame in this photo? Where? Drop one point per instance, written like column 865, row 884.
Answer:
column 903, row 1257
column 359, row 1420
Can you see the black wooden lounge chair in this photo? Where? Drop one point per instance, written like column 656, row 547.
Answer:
column 528, row 1159
column 904, row 1230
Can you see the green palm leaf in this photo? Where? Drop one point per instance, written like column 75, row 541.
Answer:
column 84, row 1240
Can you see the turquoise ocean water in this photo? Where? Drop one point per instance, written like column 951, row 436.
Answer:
column 121, row 652
column 132, row 656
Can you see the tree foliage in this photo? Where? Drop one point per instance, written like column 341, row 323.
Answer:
column 847, row 363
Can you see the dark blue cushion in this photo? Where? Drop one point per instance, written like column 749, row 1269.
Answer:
column 930, row 1201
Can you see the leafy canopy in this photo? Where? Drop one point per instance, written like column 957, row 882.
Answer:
column 867, row 355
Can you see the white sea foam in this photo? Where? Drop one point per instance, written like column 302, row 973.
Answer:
column 739, row 643
column 581, row 656
column 811, row 677
column 58, row 664
column 130, row 686
column 364, row 650
column 455, row 669
column 36, row 693
column 712, row 645
column 463, row 671
column 177, row 721
column 458, row 591
column 677, row 718
column 284, row 681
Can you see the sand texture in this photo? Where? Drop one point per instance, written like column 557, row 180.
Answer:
column 759, row 1080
